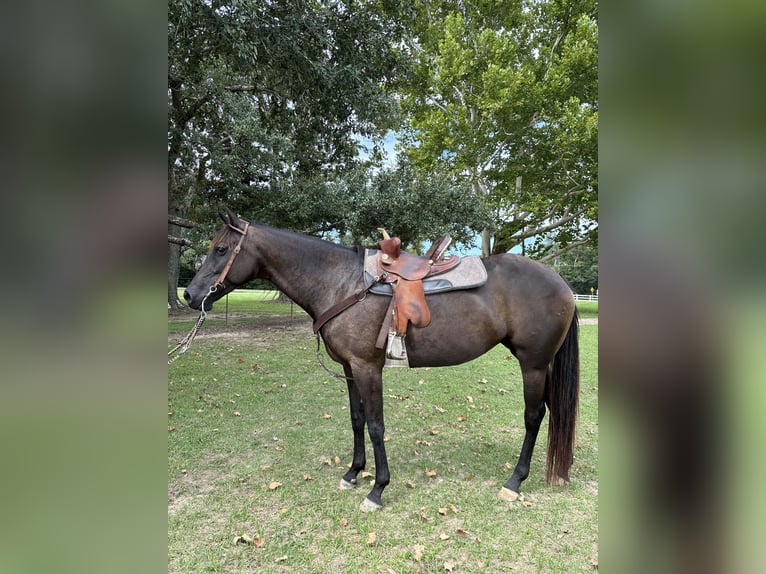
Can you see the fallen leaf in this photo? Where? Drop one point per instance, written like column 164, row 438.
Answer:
column 443, row 511
column 410, row 484
column 453, row 508
column 265, row 466
column 327, row 416
column 526, row 503
column 281, row 559
column 443, row 536
column 258, row 541
column 470, row 398
column 308, row 477
column 421, row 382
column 594, row 563
column 367, row 474
column 371, row 538
column 337, row 460
column 237, row 414
column 449, row 565
column 274, row 485
column 243, row 539
column 344, row 522
column 433, row 432
column 417, row 552
column 280, row 447
column 171, row 428
column 462, row 418
column 462, row 533
column 430, row 473
column 240, row 360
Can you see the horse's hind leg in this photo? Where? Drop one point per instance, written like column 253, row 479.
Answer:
column 534, row 411
column 358, row 420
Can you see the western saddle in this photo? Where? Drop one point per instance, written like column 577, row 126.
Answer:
column 392, row 272
column 405, row 272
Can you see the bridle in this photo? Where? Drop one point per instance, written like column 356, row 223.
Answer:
column 187, row 341
column 232, row 257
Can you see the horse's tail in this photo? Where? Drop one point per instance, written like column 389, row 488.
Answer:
column 563, row 399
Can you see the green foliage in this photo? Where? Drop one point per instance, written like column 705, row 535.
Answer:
column 579, row 267
column 265, row 100
column 416, row 206
column 505, row 96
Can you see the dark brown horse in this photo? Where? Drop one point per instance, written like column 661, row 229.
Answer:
column 524, row 305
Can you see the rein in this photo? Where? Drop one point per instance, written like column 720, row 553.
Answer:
column 187, row 341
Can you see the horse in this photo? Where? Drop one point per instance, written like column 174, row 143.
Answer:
column 523, row 305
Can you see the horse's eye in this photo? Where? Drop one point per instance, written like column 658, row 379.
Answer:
column 220, row 250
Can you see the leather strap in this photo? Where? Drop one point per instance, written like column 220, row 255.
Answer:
column 338, row 308
column 234, row 253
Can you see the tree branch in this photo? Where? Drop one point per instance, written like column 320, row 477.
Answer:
column 182, row 222
column 179, row 241
column 564, row 250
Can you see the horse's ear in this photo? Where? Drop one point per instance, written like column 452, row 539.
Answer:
column 229, row 217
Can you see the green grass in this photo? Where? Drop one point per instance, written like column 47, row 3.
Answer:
column 250, row 406
column 588, row 309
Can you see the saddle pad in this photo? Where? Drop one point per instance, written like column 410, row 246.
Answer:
column 470, row 273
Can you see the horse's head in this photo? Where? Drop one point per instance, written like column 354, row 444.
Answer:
column 226, row 266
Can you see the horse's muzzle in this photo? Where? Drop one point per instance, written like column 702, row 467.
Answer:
column 190, row 300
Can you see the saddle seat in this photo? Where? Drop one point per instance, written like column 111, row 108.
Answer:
column 405, row 272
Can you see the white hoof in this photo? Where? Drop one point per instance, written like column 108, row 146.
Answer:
column 507, row 494
column 368, row 505
column 346, row 485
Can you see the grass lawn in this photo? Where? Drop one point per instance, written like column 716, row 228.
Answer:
column 259, row 436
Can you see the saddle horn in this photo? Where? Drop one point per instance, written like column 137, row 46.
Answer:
column 384, row 232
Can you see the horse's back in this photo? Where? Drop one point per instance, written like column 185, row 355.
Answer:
column 524, row 305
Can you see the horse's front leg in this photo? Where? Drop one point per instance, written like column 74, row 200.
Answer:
column 349, row 479
column 369, row 382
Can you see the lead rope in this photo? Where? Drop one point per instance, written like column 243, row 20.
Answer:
column 187, row 341
column 325, row 367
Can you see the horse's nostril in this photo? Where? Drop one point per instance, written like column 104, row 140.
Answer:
column 187, row 296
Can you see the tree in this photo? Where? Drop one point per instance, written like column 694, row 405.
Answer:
column 579, row 267
column 504, row 95
column 416, row 206
column 263, row 101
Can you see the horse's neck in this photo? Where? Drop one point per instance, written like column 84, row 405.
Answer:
column 314, row 274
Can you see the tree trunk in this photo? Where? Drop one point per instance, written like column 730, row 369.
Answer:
column 174, row 269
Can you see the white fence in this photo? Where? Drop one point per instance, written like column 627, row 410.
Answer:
column 586, row 297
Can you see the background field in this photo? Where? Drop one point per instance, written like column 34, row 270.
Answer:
column 259, row 435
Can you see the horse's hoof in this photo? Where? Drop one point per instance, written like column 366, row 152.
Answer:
column 507, row 494
column 346, row 485
column 368, row 505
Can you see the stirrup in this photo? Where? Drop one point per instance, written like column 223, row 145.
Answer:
column 396, row 352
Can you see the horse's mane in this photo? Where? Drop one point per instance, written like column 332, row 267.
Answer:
column 228, row 237
column 225, row 236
